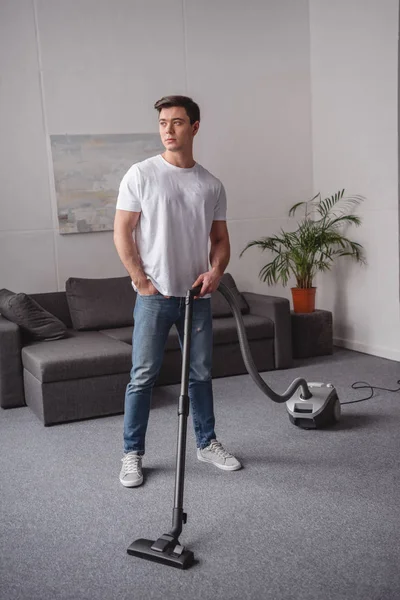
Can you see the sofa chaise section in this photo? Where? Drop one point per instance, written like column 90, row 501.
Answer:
column 77, row 377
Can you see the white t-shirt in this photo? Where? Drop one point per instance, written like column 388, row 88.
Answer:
column 177, row 209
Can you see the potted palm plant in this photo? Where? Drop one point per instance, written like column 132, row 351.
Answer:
column 315, row 244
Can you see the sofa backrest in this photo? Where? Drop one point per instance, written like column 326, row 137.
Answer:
column 220, row 306
column 104, row 303
column 56, row 303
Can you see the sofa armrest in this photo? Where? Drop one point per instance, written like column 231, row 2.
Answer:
column 11, row 378
column 278, row 310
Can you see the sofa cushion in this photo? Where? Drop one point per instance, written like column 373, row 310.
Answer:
column 220, row 306
column 225, row 332
column 34, row 320
column 124, row 334
column 100, row 303
column 56, row 304
column 81, row 354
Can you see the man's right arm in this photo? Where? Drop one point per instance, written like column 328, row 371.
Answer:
column 124, row 225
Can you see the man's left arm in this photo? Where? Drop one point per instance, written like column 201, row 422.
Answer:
column 220, row 252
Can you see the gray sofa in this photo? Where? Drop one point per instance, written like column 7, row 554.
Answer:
column 84, row 374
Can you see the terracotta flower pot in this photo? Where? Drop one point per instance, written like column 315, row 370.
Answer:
column 303, row 299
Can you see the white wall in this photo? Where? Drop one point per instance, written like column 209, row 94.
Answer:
column 354, row 71
column 98, row 66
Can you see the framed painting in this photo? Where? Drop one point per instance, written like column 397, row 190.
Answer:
column 87, row 172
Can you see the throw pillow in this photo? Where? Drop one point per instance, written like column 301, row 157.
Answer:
column 100, row 303
column 30, row 316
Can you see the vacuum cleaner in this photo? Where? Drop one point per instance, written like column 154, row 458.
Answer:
column 309, row 405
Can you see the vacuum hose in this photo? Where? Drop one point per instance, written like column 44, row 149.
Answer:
column 248, row 360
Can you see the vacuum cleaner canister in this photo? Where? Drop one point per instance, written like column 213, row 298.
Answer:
column 321, row 410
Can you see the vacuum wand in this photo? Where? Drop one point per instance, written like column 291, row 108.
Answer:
column 167, row 549
column 178, row 516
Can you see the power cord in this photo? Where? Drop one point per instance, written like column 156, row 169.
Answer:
column 357, row 386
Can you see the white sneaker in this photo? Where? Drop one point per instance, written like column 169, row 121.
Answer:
column 131, row 472
column 216, row 454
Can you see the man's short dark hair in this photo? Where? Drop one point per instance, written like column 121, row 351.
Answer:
column 192, row 109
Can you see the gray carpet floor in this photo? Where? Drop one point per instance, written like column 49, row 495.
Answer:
column 313, row 515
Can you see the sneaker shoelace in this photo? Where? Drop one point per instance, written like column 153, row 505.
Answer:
column 219, row 449
column 132, row 464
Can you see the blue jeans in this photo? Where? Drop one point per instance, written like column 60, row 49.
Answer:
column 154, row 317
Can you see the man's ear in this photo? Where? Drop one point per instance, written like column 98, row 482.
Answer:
column 195, row 128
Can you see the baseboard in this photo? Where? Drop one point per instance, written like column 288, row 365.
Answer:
column 380, row 351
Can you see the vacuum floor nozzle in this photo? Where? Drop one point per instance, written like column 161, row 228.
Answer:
column 172, row 557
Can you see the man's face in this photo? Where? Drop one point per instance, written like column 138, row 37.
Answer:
column 175, row 129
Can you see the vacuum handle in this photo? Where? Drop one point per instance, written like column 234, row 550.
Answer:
column 194, row 291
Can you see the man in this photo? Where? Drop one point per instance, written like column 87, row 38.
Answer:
column 168, row 208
